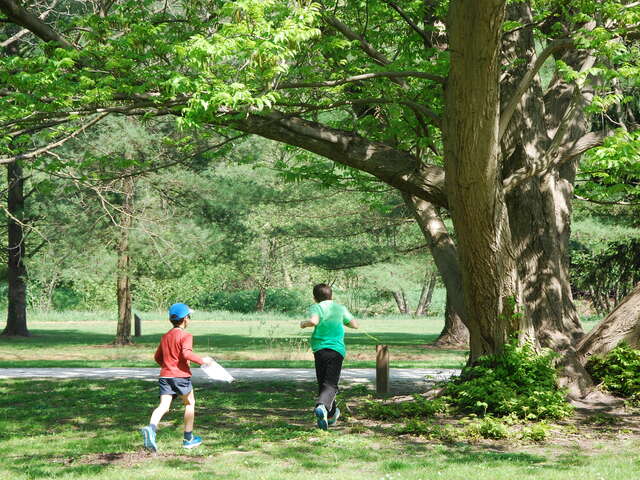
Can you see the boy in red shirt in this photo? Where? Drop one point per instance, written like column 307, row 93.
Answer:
column 173, row 355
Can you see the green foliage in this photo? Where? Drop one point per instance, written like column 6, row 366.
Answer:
column 517, row 382
column 611, row 172
column 244, row 301
column 487, row 427
column 618, row 371
column 419, row 407
column 537, row 432
column 608, row 274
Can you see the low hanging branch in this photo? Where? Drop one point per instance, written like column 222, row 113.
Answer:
column 622, row 324
column 53, row 145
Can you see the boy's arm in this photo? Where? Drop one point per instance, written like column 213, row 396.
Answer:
column 187, row 352
column 158, row 355
column 312, row 322
column 348, row 319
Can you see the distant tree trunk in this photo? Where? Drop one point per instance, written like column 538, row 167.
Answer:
column 286, row 276
column 428, row 285
column 454, row 334
column 123, row 335
column 401, row 301
column 262, row 299
column 17, row 295
column 622, row 324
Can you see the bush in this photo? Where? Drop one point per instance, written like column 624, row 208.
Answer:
column 618, row 371
column 517, row 382
column 487, row 427
column 420, row 407
column 244, row 301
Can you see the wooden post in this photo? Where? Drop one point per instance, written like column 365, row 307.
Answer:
column 382, row 369
column 138, row 325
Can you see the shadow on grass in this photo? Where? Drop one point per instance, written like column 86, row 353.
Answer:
column 81, row 427
column 66, row 337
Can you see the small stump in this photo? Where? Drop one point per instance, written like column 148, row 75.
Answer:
column 382, row 369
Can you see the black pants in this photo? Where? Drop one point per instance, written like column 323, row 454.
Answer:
column 328, row 367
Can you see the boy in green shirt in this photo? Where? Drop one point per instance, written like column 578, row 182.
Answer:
column 327, row 343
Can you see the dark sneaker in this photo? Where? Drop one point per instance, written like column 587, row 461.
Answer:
column 149, row 438
column 334, row 419
column 194, row 442
column 321, row 415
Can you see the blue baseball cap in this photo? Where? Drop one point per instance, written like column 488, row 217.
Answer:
column 178, row 311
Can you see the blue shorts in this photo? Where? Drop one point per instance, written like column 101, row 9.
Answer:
column 175, row 386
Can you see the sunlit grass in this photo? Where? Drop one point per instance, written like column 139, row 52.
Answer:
column 89, row 429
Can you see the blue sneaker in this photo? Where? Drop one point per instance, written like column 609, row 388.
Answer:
column 334, row 419
column 194, row 442
column 149, row 438
column 321, row 415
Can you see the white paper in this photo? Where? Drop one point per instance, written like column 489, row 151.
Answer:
column 216, row 372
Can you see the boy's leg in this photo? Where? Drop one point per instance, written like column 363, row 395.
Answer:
column 330, row 385
column 158, row 413
column 190, row 440
column 321, row 368
column 189, row 401
column 149, row 432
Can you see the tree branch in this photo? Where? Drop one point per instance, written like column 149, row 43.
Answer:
column 378, row 57
column 565, row 154
column 410, row 22
column 18, row 15
column 24, row 31
column 395, row 167
column 358, row 78
column 525, row 82
column 416, row 107
column 51, row 146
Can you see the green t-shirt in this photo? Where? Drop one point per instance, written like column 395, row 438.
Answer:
column 329, row 333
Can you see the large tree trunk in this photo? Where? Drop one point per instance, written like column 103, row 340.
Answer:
column 426, row 294
column 16, row 273
column 621, row 325
column 123, row 335
column 540, row 208
column 474, row 186
column 454, row 334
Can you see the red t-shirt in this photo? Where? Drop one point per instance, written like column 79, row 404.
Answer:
column 174, row 353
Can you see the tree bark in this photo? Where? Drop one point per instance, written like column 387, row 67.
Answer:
column 123, row 334
column 262, row 299
column 540, row 208
column 621, row 325
column 428, row 286
column 401, row 301
column 455, row 333
column 16, row 269
column 474, row 185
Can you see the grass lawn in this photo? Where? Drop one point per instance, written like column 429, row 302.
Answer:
column 77, row 339
column 88, row 429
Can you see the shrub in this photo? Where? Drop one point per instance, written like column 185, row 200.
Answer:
column 517, row 382
column 420, row 407
column 487, row 427
column 538, row 432
column 618, row 371
column 244, row 301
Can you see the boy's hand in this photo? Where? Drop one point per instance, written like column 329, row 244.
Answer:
column 207, row 360
column 303, row 323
